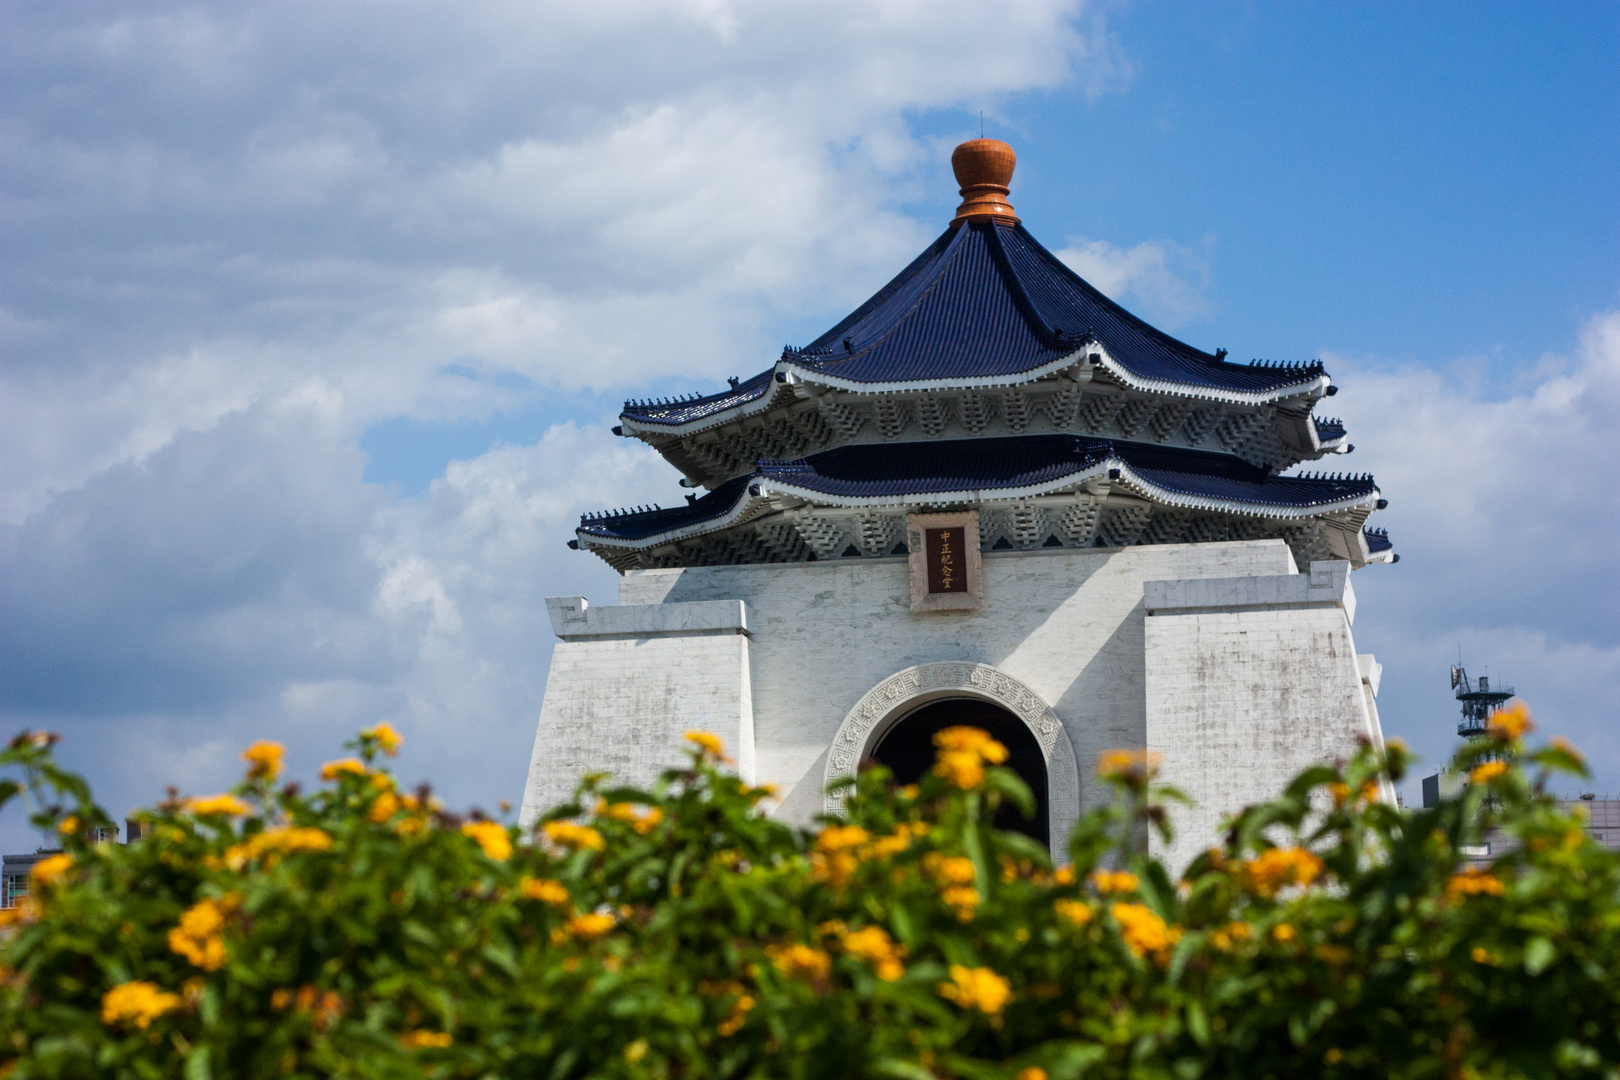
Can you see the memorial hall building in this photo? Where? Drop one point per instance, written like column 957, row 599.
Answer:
column 991, row 496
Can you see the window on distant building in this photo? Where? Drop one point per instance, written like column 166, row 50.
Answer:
column 13, row 887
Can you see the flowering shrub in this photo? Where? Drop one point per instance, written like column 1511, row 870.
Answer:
column 360, row 930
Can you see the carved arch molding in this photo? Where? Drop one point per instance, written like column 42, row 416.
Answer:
column 890, row 700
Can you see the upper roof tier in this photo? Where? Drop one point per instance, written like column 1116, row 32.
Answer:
column 987, row 305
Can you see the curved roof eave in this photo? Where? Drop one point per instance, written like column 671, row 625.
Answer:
column 758, row 491
column 1129, row 479
column 1316, row 384
column 737, row 514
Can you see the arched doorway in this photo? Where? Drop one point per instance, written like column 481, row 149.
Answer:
column 907, row 748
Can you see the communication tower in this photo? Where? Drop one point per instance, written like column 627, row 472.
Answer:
column 1478, row 701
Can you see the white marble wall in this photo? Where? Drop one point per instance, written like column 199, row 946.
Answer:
column 1248, row 681
column 1067, row 622
column 622, row 704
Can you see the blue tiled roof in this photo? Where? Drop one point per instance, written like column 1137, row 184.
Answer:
column 916, row 468
column 898, row 470
column 986, row 301
column 1377, row 540
column 684, row 410
column 989, row 300
column 1328, row 430
column 639, row 523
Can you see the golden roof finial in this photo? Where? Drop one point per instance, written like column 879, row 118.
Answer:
column 984, row 168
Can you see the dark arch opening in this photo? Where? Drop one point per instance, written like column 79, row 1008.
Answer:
column 908, row 750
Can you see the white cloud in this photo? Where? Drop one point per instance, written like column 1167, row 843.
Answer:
column 1500, row 507
column 243, row 583
column 1160, row 281
column 215, row 204
column 241, row 235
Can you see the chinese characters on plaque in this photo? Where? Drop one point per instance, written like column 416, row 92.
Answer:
column 947, row 567
column 945, row 561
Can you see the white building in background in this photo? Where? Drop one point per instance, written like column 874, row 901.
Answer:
column 991, row 496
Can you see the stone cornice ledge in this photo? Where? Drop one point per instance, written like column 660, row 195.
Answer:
column 1327, row 584
column 572, row 618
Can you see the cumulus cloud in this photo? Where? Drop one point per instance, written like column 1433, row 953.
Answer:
column 244, row 582
column 1499, row 509
column 240, row 236
column 589, row 196
column 1161, row 281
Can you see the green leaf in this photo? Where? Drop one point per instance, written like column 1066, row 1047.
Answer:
column 1539, row 955
column 1198, row 1022
column 901, row 1070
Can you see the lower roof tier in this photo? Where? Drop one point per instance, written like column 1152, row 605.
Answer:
column 1064, row 490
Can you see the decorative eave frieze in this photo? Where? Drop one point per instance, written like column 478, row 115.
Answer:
column 1110, row 477
column 793, row 381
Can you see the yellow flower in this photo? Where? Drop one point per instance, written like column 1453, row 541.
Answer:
column 1483, row 955
column 642, row 820
column 492, row 837
column 1063, row 875
column 739, row 1015
column 26, row 910
column 838, row 837
column 873, row 944
column 964, row 770
column 1486, row 771
column 425, row 1040
column 801, row 961
column 1135, row 766
column 69, row 826
column 1114, row 881
column 971, row 740
column 1034, row 1072
column 1472, row 882
column 963, row 898
column 956, row 869
column 264, row 759
column 386, row 806
column 1512, row 723
column 138, row 1002
column 388, row 740
column 1144, row 931
column 1269, row 872
column 976, row 988
column 568, row 834
column 544, row 890
column 1077, row 912
column 1226, row 937
column 888, row 846
column 711, row 744
column 963, row 753
column 200, row 937
column 592, row 926
column 48, row 871
column 226, row 805
column 1282, row 933
column 334, row 769
column 276, row 842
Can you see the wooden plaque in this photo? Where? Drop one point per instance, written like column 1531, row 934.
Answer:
column 945, row 561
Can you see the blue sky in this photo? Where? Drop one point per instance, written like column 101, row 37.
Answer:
column 313, row 319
